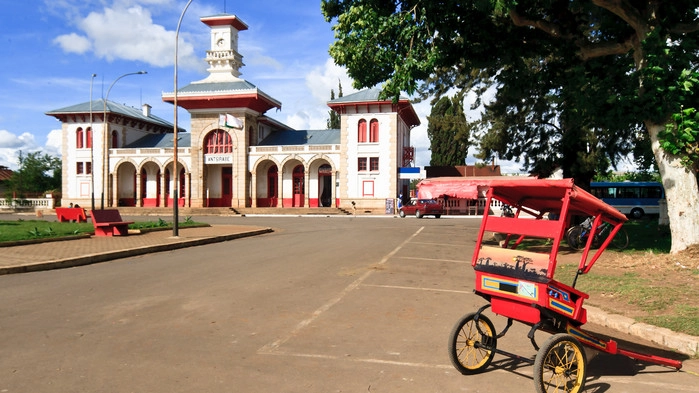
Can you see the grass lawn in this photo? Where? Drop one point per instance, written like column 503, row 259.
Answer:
column 11, row 231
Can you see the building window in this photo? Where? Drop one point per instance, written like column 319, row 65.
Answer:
column 361, row 164
column 361, row 131
column 79, row 168
column 218, row 142
column 88, row 136
column 115, row 139
column 374, row 164
column 88, row 167
column 374, row 130
column 79, row 138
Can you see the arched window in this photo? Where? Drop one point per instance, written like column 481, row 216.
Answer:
column 79, row 138
column 88, row 136
column 361, row 131
column 374, row 130
column 115, row 139
column 218, row 142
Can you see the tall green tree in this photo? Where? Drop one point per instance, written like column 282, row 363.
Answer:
column 626, row 58
column 37, row 174
column 448, row 132
column 334, row 117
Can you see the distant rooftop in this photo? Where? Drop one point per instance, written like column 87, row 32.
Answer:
column 304, row 137
column 98, row 107
column 161, row 141
column 367, row 95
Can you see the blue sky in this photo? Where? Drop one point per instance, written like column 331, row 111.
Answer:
column 50, row 48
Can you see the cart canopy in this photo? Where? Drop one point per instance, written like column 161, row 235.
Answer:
column 548, row 195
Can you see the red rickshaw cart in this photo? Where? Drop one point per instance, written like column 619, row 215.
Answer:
column 520, row 285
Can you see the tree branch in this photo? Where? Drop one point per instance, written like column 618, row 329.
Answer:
column 628, row 13
column 587, row 52
column 521, row 21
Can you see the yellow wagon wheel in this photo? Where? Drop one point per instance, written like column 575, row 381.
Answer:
column 472, row 344
column 560, row 365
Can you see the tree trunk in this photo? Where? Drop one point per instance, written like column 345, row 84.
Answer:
column 681, row 193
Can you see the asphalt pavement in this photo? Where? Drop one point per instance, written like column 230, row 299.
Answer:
column 23, row 258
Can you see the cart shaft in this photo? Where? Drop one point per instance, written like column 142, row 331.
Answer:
column 651, row 359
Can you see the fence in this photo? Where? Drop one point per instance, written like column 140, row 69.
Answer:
column 27, row 204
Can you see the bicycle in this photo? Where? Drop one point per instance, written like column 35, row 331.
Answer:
column 577, row 235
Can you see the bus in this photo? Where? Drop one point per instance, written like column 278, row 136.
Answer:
column 635, row 199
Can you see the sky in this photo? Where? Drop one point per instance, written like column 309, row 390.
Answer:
column 49, row 50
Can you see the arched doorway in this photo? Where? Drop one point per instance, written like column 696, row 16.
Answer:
column 126, row 185
column 325, row 185
column 169, row 184
column 218, row 161
column 272, row 179
column 150, row 185
column 298, row 186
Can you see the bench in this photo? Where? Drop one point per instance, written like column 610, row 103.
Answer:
column 70, row 214
column 108, row 222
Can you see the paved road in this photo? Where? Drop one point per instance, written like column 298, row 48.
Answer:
column 320, row 305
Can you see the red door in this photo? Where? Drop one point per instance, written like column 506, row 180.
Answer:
column 298, row 186
column 227, row 186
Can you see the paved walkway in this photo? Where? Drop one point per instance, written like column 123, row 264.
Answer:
column 87, row 250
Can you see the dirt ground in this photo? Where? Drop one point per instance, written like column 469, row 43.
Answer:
column 678, row 274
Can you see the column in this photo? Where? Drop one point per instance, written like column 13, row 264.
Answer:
column 113, row 191
column 253, row 177
column 306, row 186
column 187, row 191
column 139, row 198
column 333, row 201
column 280, row 182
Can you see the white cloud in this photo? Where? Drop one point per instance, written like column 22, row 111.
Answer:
column 127, row 32
column 9, row 140
column 73, row 43
column 11, row 144
column 54, row 143
column 323, row 78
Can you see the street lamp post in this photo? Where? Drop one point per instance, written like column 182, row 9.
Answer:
column 92, row 155
column 175, row 173
column 105, row 135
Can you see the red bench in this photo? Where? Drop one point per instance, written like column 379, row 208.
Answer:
column 69, row 214
column 108, row 222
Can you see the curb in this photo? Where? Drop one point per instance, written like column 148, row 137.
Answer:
column 683, row 343
column 111, row 255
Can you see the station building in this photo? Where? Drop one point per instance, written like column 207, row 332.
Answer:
column 234, row 155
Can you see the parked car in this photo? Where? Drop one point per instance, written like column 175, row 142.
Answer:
column 422, row 207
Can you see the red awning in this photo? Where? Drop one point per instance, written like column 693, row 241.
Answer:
column 456, row 187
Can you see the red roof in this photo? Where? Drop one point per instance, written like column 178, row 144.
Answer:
column 5, row 173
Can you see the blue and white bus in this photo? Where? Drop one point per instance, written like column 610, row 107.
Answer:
column 634, row 199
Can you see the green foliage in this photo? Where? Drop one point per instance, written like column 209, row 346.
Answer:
column 448, row 132
column 681, row 134
column 37, row 174
column 628, row 176
column 575, row 87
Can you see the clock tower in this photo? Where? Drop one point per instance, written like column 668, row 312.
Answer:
column 223, row 57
